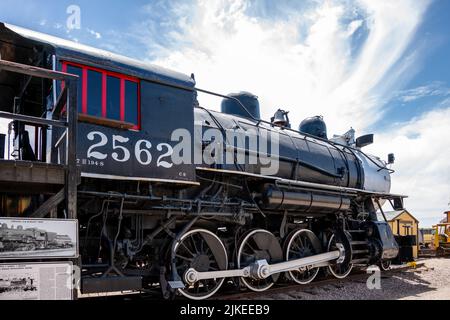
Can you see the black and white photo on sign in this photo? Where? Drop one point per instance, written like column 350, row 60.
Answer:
column 24, row 238
column 36, row 281
column 21, row 284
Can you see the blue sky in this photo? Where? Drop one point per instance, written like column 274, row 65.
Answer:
column 378, row 66
column 118, row 22
column 434, row 34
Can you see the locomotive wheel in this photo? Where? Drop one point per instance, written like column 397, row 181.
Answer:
column 300, row 244
column 339, row 270
column 385, row 265
column 204, row 251
column 259, row 245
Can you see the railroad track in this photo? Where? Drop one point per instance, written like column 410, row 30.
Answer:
column 284, row 288
column 231, row 294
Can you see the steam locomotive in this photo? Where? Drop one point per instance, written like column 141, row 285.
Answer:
column 30, row 239
column 190, row 199
column 17, row 284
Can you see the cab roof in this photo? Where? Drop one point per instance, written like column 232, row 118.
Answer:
column 76, row 52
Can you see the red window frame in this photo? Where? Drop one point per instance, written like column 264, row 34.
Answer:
column 105, row 74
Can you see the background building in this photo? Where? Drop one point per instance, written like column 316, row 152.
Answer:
column 403, row 224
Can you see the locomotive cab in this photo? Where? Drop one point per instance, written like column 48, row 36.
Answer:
column 120, row 101
column 24, row 95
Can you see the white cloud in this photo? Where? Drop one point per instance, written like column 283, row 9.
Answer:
column 422, row 150
column 433, row 89
column 94, row 33
column 353, row 26
column 302, row 62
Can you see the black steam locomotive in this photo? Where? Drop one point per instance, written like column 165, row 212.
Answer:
column 174, row 194
column 31, row 239
column 17, row 285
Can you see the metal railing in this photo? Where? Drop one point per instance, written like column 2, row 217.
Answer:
column 68, row 99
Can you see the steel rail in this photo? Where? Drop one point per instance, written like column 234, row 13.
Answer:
column 282, row 288
column 287, row 288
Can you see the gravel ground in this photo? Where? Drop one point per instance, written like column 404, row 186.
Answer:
column 430, row 282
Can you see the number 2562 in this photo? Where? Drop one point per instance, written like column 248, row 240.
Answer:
column 122, row 154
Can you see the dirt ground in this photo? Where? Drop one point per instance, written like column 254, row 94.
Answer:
column 430, row 282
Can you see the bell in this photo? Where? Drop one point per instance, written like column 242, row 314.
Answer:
column 281, row 118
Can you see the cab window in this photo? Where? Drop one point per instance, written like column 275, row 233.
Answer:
column 106, row 96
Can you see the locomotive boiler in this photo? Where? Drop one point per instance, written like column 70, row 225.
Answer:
column 177, row 196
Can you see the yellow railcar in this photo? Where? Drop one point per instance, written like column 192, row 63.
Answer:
column 441, row 238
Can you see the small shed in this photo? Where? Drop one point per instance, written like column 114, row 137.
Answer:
column 403, row 223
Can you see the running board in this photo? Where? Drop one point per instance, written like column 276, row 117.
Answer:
column 261, row 269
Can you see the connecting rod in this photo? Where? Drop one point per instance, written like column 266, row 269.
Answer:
column 261, row 269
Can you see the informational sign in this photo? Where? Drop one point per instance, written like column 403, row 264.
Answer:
column 38, row 238
column 36, row 281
